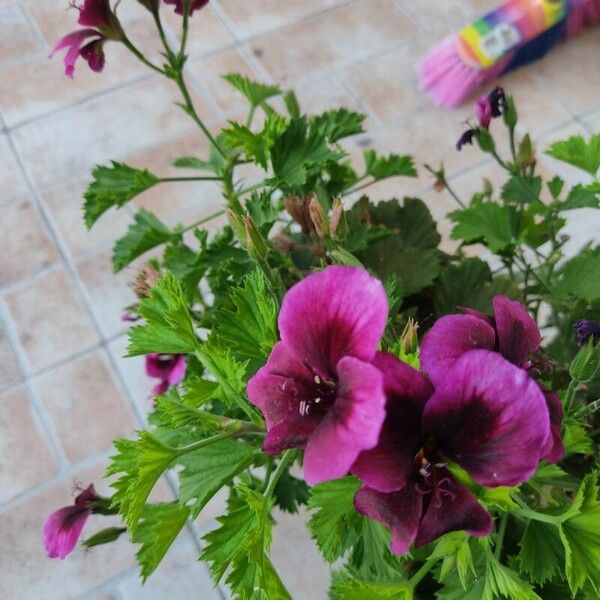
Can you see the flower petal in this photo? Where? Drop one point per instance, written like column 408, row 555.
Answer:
column 490, row 417
column 352, row 424
column 518, row 333
column 453, row 508
column 387, row 467
column 337, row 312
column 399, row 511
column 73, row 41
column 177, row 372
column 449, row 338
column 94, row 13
column 554, row 449
column 62, row 530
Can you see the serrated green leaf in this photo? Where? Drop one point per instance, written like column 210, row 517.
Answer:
column 499, row 497
column 455, row 552
column 556, row 186
column 334, row 523
column 255, row 92
column 580, row 277
column 576, row 440
column 580, row 197
column 170, row 412
column 578, row 152
column 263, row 210
column 158, row 528
column 193, row 162
column 256, row 146
column 503, row 582
column 338, row 123
column 347, row 587
column 522, row 190
column 290, row 493
column 291, row 103
column 207, row 470
column 114, row 186
column 483, row 221
column 145, row 233
column 541, row 554
column 168, row 328
column 382, row 167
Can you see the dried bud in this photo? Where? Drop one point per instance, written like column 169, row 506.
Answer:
column 145, row 281
column 284, row 242
column 255, row 244
column 297, row 207
column 336, row 216
column 409, row 338
column 236, row 223
column 319, row 218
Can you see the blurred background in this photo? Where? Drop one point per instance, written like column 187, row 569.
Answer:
column 65, row 390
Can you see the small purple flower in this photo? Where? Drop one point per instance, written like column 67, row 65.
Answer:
column 486, row 415
column 169, row 368
column 64, row 526
column 497, row 101
column 194, row 5
column 100, row 25
column 319, row 390
column 466, row 138
column 483, row 111
column 585, row 330
column 512, row 332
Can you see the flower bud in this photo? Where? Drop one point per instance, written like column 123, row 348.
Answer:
column 236, row 223
column 319, row 218
column 526, row 154
column 409, row 338
column 485, row 140
column 298, row 208
column 587, row 362
column 255, row 244
column 336, row 216
column 145, row 281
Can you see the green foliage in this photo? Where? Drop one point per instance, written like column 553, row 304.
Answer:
column 586, row 363
column 168, row 327
column 207, row 470
column 584, row 154
column 338, row 123
column 334, row 524
column 104, row 536
column 455, row 552
column 576, row 439
column 145, row 233
column 263, row 210
column 348, row 587
column 382, row 167
column 290, row 493
column 580, row 196
column 522, row 190
column 255, row 92
column 541, row 555
column 114, row 186
column 160, row 524
column 580, row 277
column 486, row 222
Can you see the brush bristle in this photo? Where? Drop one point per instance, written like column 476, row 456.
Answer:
column 445, row 76
column 583, row 14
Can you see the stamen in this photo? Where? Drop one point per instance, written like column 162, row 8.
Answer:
column 317, row 380
column 317, row 400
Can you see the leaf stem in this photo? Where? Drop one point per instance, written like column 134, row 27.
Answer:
column 500, row 535
column 208, row 178
column 202, row 221
column 420, row 574
column 528, row 513
column 571, row 391
column 286, row 459
column 127, row 43
column 588, row 409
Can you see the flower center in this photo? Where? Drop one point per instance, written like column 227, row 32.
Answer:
column 323, row 394
column 434, row 478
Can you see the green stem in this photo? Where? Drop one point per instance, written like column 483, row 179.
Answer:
column 358, row 188
column 588, row 409
column 185, row 27
column 170, row 179
column 542, row 493
column 500, row 535
column 250, row 116
column 571, row 391
column 528, row 513
column 420, row 574
column 500, row 161
column 286, row 459
column 202, row 221
column 161, row 32
column 140, row 56
column 245, row 428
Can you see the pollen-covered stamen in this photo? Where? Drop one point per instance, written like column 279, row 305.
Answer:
column 323, row 395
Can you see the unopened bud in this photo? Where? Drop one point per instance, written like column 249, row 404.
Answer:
column 485, row 140
column 409, row 338
column 587, row 362
column 145, row 281
column 336, row 216
column 284, row 242
column 526, row 154
column 255, row 244
column 319, row 218
column 488, row 188
column 297, row 207
column 237, row 224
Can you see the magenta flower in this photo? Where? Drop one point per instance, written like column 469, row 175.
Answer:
column 483, row 111
column 512, row 332
column 486, row 415
column 100, row 25
column 195, row 5
column 64, row 526
column 169, row 368
column 319, row 390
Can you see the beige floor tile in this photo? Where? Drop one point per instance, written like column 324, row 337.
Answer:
column 21, row 471
column 27, row 573
column 592, row 122
column 259, row 16
column 12, row 183
column 111, row 126
column 50, row 319
column 16, row 37
column 23, row 231
column 86, row 406
column 334, row 39
column 439, row 17
column 10, row 372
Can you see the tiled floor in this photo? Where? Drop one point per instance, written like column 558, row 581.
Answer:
column 65, row 391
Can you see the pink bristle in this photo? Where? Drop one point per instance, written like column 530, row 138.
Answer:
column 586, row 13
column 449, row 81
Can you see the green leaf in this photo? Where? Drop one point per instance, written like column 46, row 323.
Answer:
column 503, row 582
column 139, row 463
column 168, row 328
column 483, row 221
column 578, row 152
column 172, row 413
column 556, row 186
column 498, row 497
column 145, row 233
column 580, row 197
column 255, row 92
column 291, row 103
column 114, row 186
column 338, row 123
column 542, row 553
column 347, row 587
column 522, row 190
column 334, row 524
column 263, row 210
column 157, row 530
column 455, row 551
column 576, row 440
column 298, row 149
column 192, row 162
column 290, row 493
column 382, row 167
column 580, row 535
column 580, row 277
column 207, row 470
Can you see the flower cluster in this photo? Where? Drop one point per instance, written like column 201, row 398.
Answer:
column 486, row 108
column 353, row 409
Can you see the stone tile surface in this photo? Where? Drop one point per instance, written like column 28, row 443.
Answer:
column 10, row 371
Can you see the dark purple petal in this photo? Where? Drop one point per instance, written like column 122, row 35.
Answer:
column 95, row 13
column 93, row 54
column 483, row 111
column 449, row 338
column 497, row 100
column 554, row 450
column 337, row 312
column 73, row 41
column 351, row 425
column 466, row 138
column 387, row 467
column 291, row 433
column 490, row 417
column 587, row 329
column 399, row 511
column 195, row 5
column 452, row 507
column 518, row 333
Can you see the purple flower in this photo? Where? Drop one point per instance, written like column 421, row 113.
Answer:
column 64, row 526
column 319, row 390
column 585, row 330
column 512, row 332
column 466, row 138
column 497, row 101
column 169, row 368
column 194, row 5
column 486, row 415
column 100, row 25
column 483, row 111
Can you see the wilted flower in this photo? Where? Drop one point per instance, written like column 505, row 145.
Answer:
column 101, row 25
column 169, row 368
column 486, row 415
column 194, row 5
column 512, row 332
column 64, row 526
column 585, row 330
column 466, row 138
column 319, row 390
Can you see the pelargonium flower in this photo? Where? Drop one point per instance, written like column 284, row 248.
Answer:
column 194, row 5
column 483, row 111
column 486, row 415
column 512, row 332
column 318, row 389
column 169, row 368
column 63, row 527
column 586, row 330
column 100, row 24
